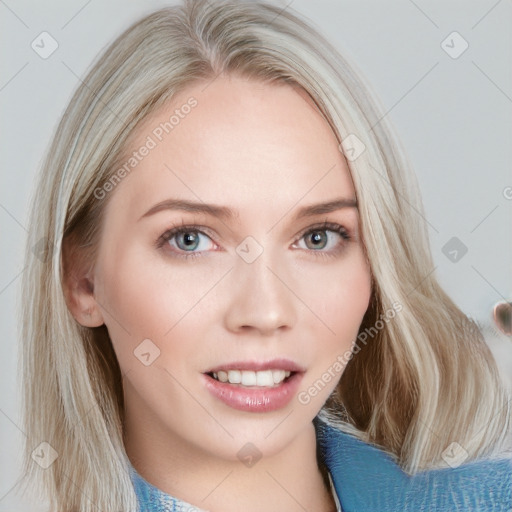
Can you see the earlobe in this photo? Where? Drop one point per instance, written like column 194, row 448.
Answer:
column 81, row 302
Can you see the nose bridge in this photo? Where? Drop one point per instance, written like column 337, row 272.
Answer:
column 259, row 299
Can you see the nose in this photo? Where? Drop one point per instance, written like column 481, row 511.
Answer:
column 260, row 298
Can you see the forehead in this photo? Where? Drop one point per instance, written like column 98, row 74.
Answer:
column 239, row 142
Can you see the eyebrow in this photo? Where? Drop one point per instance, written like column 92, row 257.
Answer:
column 223, row 212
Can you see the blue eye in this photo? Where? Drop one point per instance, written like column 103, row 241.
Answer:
column 327, row 239
column 324, row 240
column 320, row 238
column 186, row 239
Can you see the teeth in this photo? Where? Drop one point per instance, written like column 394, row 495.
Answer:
column 234, row 377
column 248, row 378
column 266, row 378
column 278, row 376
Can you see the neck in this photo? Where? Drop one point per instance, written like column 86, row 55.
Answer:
column 288, row 480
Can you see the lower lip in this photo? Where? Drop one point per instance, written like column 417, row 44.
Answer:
column 254, row 399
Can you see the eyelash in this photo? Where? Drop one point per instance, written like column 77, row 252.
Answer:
column 326, row 226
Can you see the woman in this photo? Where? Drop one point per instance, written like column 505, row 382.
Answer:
column 233, row 305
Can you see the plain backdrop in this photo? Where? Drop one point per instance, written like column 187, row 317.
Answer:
column 452, row 112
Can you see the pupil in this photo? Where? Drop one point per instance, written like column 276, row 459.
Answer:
column 318, row 237
column 189, row 240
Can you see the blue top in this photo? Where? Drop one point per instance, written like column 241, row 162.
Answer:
column 367, row 479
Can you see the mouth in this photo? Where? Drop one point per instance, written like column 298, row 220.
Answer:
column 255, row 387
column 254, row 374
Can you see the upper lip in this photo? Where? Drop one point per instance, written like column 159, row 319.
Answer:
column 255, row 366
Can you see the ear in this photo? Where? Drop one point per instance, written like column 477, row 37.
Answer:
column 81, row 301
column 78, row 290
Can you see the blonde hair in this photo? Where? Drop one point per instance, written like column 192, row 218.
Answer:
column 401, row 388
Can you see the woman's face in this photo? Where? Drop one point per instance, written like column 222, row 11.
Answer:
column 267, row 277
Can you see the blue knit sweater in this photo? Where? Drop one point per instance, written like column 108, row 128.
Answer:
column 366, row 479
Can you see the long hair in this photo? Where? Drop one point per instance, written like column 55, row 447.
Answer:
column 422, row 380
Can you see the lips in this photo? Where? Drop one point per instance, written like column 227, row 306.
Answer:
column 253, row 386
column 254, row 399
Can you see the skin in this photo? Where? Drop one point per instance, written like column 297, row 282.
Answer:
column 264, row 151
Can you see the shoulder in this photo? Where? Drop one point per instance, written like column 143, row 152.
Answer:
column 367, row 478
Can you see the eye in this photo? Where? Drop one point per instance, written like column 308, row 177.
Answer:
column 186, row 239
column 327, row 238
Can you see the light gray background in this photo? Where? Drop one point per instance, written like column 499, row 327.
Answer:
column 453, row 115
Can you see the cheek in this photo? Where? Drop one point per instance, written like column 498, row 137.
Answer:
column 350, row 304
column 148, row 298
column 138, row 301
column 341, row 299
column 339, row 296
